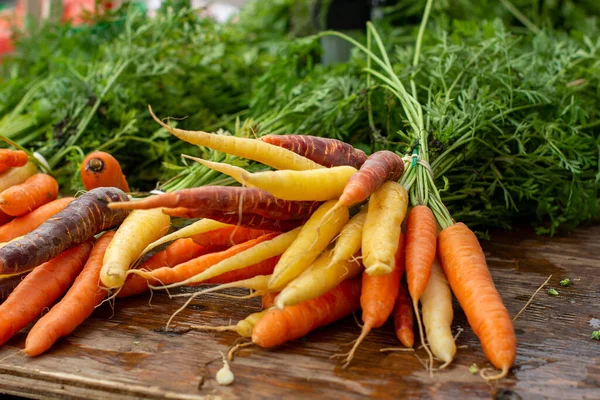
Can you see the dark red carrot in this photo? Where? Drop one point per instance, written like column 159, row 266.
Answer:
column 279, row 326
column 226, row 199
column 324, row 151
column 403, row 318
column 74, row 308
column 228, row 236
column 380, row 167
column 40, row 288
column 12, row 158
column 100, row 169
column 79, row 221
column 246, row 220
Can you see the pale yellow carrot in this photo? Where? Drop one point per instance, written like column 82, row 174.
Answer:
column 16, row 175
column 350, row 239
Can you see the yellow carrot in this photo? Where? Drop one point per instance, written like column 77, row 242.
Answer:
column 198, row 227
column 140, row 228
column 16, row 176
column 314, row 185
column 318, row 279
column 381, row 232
column 313, row 238
column 350, row 239
column 436, row 306
column 254, row 255
column 252, row 149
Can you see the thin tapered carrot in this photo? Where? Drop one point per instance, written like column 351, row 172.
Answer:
column 377, row 298
column 247, row 220
column 12, row 158
column 40, row 288
column 180, row 251
column 420, row 249
column 313, row 185
column 184, row 271
column 28, row 222
column 16, row 175
column 74, row 308
column 349, row 240
column 265, row 153
column 279, row 326
column 403, row 318
column 324, row 151
column 465, row 267
column 381, row 166
column 34, row 192
column 226, row 199
column 264, row 267
column 4, row 219
column 228, row 236
column 100, row 169
column 268, row 299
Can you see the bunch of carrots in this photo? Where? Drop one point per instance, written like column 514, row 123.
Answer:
column 326, row 232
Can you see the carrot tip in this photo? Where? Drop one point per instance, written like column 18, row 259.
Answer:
column 501, row 375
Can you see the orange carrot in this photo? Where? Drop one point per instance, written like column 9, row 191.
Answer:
column 264, row 267
column 28, row 222
column 178, row 252
column 268, row 299
column 40, row 288
column 403, row 318
column 228, row 236
column 377, row 299
column 78, row 304
column 12, row 158
column 420, row 249
column 323, row 151
column 36, row 191
column 381, row 166
column 279, row 326
column 465, row 267
column 100, row 169
column 226, row 199
column 247, row 220
column 167, row 275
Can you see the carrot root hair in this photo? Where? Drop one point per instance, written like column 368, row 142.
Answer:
column 422, row 334
column 488, row 378
column 224, row 328
column 366, row 328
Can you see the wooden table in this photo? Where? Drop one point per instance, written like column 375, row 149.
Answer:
column 127, row 356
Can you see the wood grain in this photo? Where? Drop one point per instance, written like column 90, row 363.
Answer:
column 128, row 356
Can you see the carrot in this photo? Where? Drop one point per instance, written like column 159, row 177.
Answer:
column 381, row 166
column 184, row 273
column 381, row 231
column 377, row 299
column 323, row 151
column 403, row 318
column 268, row 299
column 243, row 328
column 25, row 224
column 178, row 252
column 198, row 227
column 247, row 220
column 79, row 221
column 350, row 239
column 436, row 306
column 40, row 288
column 5, row 218
column 420, row 249
column 17, row 175
column 314, row 185
column 100, row 169
column 36, row 191
column 319, row 278
column 74, row 308
column 312, row 239
column 265, row 153
column 226, row 199
column 264, row 267
column 279, row 326
column 228, row 236
column 12, row 158
column 465, row 267
column 137, row 231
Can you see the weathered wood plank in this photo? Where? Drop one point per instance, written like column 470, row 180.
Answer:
column 126, row 356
